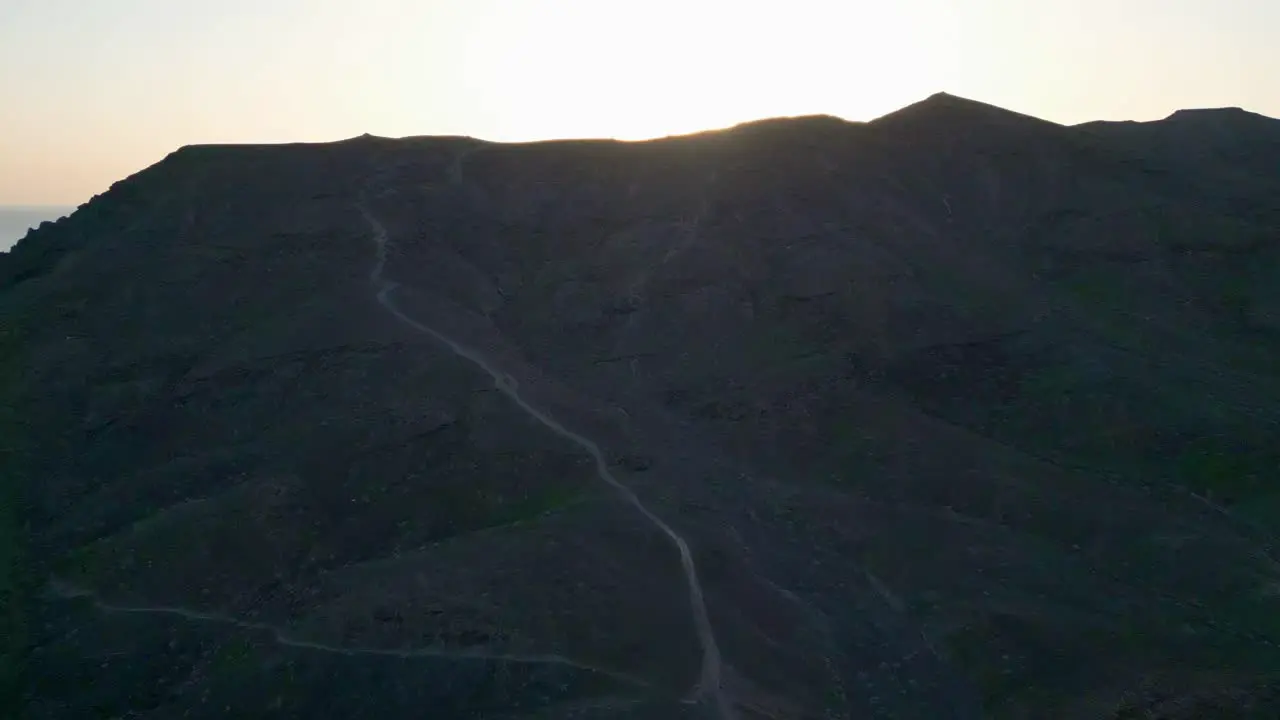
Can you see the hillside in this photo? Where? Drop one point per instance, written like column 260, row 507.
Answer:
column 953, row 414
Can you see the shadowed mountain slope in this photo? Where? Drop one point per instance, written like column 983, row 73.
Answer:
column 956, row 413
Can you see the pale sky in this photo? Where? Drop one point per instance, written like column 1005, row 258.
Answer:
column 93, row 90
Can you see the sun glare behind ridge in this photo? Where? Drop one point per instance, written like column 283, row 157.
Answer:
column 582, row 69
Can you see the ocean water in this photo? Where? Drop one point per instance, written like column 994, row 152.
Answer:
column 14, row 221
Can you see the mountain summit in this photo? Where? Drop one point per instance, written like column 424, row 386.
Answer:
column 954, row 414
column 945, row 110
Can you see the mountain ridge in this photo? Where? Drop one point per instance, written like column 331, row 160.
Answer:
column 959, row 413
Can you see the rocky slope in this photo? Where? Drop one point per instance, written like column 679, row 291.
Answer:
column 957, row 413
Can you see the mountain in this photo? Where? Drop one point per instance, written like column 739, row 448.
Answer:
column 15, row 221
column 953, row 414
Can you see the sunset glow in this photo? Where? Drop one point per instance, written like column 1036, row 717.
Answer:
column 97, row 89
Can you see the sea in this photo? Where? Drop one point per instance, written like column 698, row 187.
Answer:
column 15, row 220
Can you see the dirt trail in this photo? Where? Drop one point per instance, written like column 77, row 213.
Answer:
column 65, row 591
column 710, row 682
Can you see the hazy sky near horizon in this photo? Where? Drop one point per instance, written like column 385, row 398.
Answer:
column 94, row 90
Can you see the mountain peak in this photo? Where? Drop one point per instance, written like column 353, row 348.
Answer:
column 1231, row 125
column 941, row 110
column 946, row 97
column 1188, row 113
column 1221, row 116
column 809, row 126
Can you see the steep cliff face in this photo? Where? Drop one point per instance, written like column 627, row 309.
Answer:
column 954, row 413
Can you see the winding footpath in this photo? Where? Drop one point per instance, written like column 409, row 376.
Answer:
column 710, row 679
column 66, row 591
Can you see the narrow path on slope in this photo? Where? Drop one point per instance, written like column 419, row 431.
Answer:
column 710, row 678
column 66, row 591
